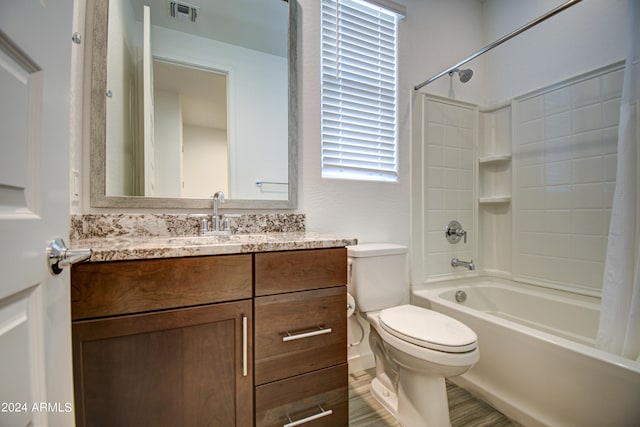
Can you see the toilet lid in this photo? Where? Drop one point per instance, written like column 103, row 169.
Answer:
column 428, row 328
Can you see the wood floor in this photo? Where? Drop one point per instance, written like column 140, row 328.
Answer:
column 464, row 409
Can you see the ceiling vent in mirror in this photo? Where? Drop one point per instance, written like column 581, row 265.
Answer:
column 183, row 11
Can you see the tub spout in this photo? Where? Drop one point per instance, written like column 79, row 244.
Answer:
column 455, row 262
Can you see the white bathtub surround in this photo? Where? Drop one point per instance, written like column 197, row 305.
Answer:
column 538, row 363
column 619, row 330
column 443, row 156
column 564, row 171
column 531, row 180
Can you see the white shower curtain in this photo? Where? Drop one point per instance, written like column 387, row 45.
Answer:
column 619, row 330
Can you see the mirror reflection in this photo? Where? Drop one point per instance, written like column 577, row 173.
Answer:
column 197, row 99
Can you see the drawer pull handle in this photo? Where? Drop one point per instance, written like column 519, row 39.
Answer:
column 319, row 331
column 310, row 418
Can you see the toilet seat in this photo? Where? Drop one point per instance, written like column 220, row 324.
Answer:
column 428, row 329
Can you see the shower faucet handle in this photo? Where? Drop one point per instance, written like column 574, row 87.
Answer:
column 453, row 232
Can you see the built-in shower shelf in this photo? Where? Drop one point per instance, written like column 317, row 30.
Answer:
column 495, row 199
column 494, row 186
column 494, row 159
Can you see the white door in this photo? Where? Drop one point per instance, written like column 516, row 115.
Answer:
column 148, row 105
column 35, row 327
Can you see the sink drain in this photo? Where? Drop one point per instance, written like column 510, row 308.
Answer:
column 461, row 296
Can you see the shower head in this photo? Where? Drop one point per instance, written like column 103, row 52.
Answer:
column 465, row 75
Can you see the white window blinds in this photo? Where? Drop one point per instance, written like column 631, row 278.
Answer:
column 359, row 91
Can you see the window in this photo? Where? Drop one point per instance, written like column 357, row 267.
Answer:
column 359, row 90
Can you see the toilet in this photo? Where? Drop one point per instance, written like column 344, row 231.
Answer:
column 415, row 349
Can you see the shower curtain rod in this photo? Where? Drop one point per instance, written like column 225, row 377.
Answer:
column 500, row 41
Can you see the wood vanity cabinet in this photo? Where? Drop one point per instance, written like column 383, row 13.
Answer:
column 300, row 338
column 163, row 342
column 182, row 341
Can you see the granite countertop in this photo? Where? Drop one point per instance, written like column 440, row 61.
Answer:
column 136, row 248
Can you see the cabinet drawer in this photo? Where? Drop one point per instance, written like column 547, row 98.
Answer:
column 125, row 287
column 305, row 397
column 278, row 272
column 292, row 332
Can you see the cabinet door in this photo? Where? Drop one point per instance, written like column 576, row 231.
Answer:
column 185, row 367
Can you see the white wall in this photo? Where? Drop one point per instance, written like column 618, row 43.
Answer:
column 439, row 34
column 374, row 211
column 204, row 161
column 121, row 85
column 586, row 36
column 168, row 143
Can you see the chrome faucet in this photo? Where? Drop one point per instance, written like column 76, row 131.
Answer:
column 220, row 224
column 455, row 262
column 218, row 197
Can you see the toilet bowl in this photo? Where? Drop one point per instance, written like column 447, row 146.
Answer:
column 415, row 349
column 419, row 397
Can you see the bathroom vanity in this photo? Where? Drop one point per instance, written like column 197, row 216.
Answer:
column 248, row 330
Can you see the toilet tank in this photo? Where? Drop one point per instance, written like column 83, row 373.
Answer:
column 378, row 275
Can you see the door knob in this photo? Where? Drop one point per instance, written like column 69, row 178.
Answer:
column 59, row 256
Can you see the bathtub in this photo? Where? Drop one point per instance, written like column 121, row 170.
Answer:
column 538, row 364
